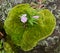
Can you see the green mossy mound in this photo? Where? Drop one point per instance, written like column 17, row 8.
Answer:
column 7, row 48
column 27, row 37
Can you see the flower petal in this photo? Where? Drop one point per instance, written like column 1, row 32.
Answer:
column 24, row 19
column 36, row 17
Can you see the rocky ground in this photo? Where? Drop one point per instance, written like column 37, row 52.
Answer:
column 48, row 45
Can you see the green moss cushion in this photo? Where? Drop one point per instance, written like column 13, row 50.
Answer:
column 28, row 36
column 7, row 48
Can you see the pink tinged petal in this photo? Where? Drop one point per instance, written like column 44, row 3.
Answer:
column 36, row 17
column 24, row 19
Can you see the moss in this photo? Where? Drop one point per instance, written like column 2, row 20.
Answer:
column 28, row 37
column 8, row 48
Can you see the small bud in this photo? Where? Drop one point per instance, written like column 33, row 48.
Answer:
column 36, row 17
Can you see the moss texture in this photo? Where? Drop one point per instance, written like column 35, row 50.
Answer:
column 7, row 48
column 27, row 37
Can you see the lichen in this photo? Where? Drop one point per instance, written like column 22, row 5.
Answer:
column 25, row 35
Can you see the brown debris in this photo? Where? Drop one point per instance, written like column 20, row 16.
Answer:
column 1, row 35
column 33, row 5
